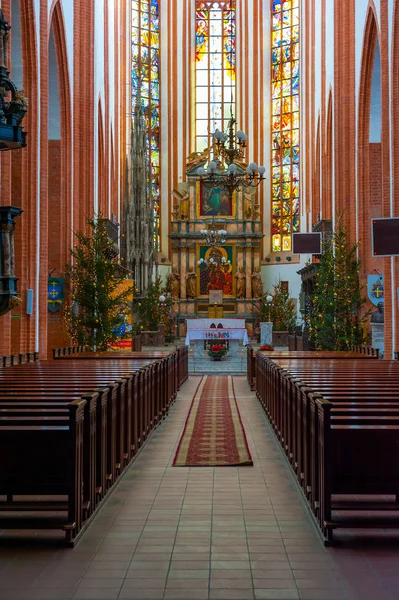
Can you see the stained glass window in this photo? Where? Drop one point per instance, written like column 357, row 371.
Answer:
column 145, row 77
column 285, row 123
column 215, row 68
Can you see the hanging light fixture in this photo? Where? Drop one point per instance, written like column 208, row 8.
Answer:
column 225, row 172
column 214, row 237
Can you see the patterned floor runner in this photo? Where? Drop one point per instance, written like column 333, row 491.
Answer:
column 214, row 435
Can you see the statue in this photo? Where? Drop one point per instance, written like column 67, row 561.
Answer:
column 191, row 284
column 184, row 207
column 378, row 315
column 174, row 283
column 257, row 285
column 240, row 285
column 248, row 211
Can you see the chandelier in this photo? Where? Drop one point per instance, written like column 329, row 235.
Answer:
column 227, row 169
column 214, row 237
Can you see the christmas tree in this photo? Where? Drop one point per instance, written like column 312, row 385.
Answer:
column 151, row 312
column 335, row 322
column 97, row 300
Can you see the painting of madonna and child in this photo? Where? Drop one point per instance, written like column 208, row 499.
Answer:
column 215, row 202
column 218, row 277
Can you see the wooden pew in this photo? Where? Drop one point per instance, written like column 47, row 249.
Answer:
column 358, row 399
column 140, row 392
column 30, row 469
column 251, row 366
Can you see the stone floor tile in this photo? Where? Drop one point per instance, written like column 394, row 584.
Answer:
column 205, row 534
column 229, row 594
column 184, row 594
column 187, row 584
column 276, row 594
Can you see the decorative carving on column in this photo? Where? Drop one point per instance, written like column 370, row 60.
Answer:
column 140, row 250
column 8, row 280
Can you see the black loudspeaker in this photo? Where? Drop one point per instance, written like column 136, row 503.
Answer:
column 306, row 243
column 385, row 237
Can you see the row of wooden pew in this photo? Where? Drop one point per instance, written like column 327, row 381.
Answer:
column 336, row 416
column 18, row 359
column 70, row 427
column 57, row 352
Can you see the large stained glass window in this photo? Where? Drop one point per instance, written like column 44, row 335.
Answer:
column 285, row 123
column 145, row 79
column 215, row 68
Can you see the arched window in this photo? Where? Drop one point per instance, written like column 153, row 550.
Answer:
column 145, row 81
column 214, row 68
column 285, row 123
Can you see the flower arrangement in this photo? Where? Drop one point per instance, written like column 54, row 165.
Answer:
column 217, row 351
column 266, row 348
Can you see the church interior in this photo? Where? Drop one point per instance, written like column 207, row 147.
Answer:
column 199, row 268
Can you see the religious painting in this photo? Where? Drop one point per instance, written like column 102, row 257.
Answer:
column 215, row 202
column 221, row 275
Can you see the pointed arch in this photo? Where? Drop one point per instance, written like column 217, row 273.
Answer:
column 327, row 196
column 370, row 41
column 57, row 26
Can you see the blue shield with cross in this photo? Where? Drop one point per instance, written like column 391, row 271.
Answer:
column 55, row 293
column 375, row 288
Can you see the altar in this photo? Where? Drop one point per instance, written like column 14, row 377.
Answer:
column 222, row 330
column 206, row 280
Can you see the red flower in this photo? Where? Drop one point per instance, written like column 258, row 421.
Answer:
column 217, row 348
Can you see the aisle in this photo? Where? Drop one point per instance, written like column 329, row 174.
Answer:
column 202, row 533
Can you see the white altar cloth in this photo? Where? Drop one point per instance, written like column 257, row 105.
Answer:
column 217, row 334
column 206, row 323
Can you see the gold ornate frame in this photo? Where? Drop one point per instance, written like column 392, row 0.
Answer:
column 198, row 206
column 233, row 270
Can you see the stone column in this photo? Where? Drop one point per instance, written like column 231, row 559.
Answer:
column 248, row 271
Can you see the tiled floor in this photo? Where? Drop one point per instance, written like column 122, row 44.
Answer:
column 203, row 533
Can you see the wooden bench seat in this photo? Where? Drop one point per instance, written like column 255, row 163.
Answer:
column 126, row 399
column 338, row 422
column 30, row 469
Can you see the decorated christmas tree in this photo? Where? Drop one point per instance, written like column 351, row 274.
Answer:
column 97, row 300
column 335, row 321
column 151, row 312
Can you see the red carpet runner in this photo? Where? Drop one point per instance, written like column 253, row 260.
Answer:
column 213, row 435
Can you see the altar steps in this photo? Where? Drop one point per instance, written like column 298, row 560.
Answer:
column 229, row 365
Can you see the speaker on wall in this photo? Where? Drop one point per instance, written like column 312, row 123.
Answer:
column 29, row 302
column 306, row 243
column 385, row 237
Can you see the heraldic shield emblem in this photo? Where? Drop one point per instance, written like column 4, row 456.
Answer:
column 55, row 294
column 375, row 288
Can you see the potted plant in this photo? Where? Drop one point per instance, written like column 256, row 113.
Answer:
column 281, row 311
column 217, row 352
